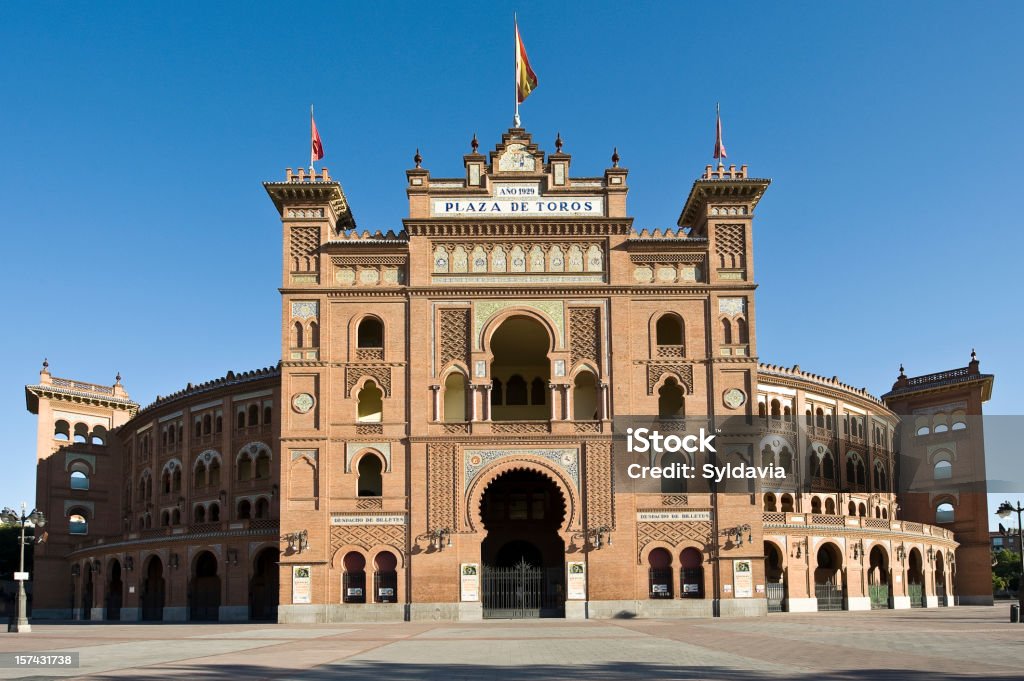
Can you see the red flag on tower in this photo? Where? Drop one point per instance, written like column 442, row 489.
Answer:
column 719, row 145
column 316, row 151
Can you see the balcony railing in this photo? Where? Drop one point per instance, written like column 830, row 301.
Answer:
column 847, row 522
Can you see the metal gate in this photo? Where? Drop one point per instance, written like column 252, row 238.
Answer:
column 879, row 596
column 830, row 596
column 776, row 595
column 940, row 591
column 522, row 591
column 916, row 593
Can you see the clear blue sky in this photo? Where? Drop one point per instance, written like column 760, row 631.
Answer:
column 136, row 136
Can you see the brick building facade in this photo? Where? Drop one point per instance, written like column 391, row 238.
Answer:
column 438, row 440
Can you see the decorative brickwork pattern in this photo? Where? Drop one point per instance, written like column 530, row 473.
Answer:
column 441, row 503
column 368, row 536
column 380, row 374
column 369, row 504
column 671, row 533
column 655, row 370
column 585, row 334
column 674, row 500
column 730, row 246
column 304, row 245
column 454, row 336
column 600, row 484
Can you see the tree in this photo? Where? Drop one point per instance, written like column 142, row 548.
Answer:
column 1006, row 570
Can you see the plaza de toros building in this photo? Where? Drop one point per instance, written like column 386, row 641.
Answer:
column 437, row 441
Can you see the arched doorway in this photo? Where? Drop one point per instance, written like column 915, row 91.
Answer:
column 153, row 591
column 385, row 578
column 263, row 587
column 775, row 577
column 87, row 592
column 523, row 555
column 915, row 579
column 659, row 573
column 204, row 594
column 520, row 363
column 940, row 579
column 878, row 578
column 691, row 573
column 829, row 580
column 115, row 591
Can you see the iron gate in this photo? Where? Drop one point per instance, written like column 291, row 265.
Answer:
column 776, row 594
column 522, row 591
column 830, row 596
column 879, row 596
column 916, row 593
column 940, row 591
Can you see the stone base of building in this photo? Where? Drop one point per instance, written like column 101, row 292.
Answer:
column 233, row 613
column 901, row 602
column 649, row 609
column 336, row 612
column 446, row 612
column 53, row 613
column 858, row 603
column 131, row 614
column 575, row 610
column 931, row 601
column 175, row 613
column 743, row 607
column 975, row 600
column 801, row 605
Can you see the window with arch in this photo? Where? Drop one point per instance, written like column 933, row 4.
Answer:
column 675, row 461
column 852, row 509
column 455, row 398
column 943, row 470
column 268, row 412
column 298, row 335
column 659, row 573
column 262, row 509
column 81, row 433
column 538, row 391
column 691, row 573
column 830, row 506
column 370, row 333
column 165, row 518
column 668, row 336
column 743, row 335
column 726, row 332
column 79, row 476
column 584, row 396
column 78, row 521
column 370, row 403
column 881, row 479
column 786, row 504
column 244, row 467
column 244, row 510
column 371, row 478
column 213, row 475
column 62, row 431
column 199, row 514
column 862, row 510
column 670, row 399
column 254, row 414
column 207, row 424
column 262, row 464
column 769, row 503
column 819, row 417
column 353, row 579
column 199, row 475
column 314, row 335
column 240, row 419
column 945, row 513
column 497, row 394
column 515, row 391
column 214, row 512
column 815, row 505
column 175, row 517
column 99, row 436
column 385, row 578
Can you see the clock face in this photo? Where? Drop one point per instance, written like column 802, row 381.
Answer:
column 734, row 398
column 516, row 158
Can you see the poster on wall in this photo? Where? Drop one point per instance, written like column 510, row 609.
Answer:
column 743, row 579
column 470, row 581
column 302, row 584
column 576, row 581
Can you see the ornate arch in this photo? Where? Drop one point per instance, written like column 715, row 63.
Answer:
column 478, row 487
column 252, row 450
column 494, row 322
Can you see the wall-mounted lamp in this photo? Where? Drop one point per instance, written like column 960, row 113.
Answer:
column 97, row 566
column 931, row 554
column 273, row 491
column 900, row 553
column 858, row 549
column 801, row 546
column 174, row 561
column 76, row 570
column 233, row 556
column 129, row 563
column 223, row 496
column 736, row 534
column 440, row 537
column 297, row 541
column 596, row 536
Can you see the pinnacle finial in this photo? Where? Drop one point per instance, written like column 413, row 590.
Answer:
column 615, row 157
column 117, row 379
column 974, row 355
column 417, row 159
column 902, row 375
column 558, row 143
column 46, row 364
column 474, row 143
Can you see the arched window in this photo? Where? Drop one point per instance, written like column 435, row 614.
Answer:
column 670, row 399
column 669, row 330
column 691, row 573
column 62, row 431
column 165, row 519
column 371, row 480
column 240, row 419
column 176, row 479
column 244, row 468
column 268, row 411
column 762, row 410
column 455, row 398
column 353, row 580
column 830, row 506
column 741, row 331
column 776, row 409
column 819, row 418
column 371, row 403
column 828, row 467
column 314, row 335
column 262, row 508
column 659, row 574
column 673, row 461
column 786, row 460
column 370, row 333
column 943, row 470
column 197, row 428
column 769, row 503
column 99, row 436
column 244, row 509
column 199, row 514
column 214, row 512
column 945, row 513
column 787, row 503
column 852, row 509
column 385, row 578
column 584, row 397
column 81, row 433
column 515, row 391
column 538, row 391
column 207, row 424
column 78, row 521
column 214, row 473
column 199, row 475
column 165, row 482
column 726, row 332
column 497, row 397
column 175, row 517
column 254, row 414
column 79, row 480
column 862, row 510
column 815, row 505
column 298, row 335
column 263, row 465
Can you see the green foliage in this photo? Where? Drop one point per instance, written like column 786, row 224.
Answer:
column 1006, row 571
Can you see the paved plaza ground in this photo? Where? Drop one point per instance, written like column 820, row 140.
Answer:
column 931, row 645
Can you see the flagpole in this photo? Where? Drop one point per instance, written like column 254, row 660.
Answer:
column 515, row 90
column 311, row 154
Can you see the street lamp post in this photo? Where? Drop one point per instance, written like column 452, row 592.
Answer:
column 33, row 519
column 1005, row 509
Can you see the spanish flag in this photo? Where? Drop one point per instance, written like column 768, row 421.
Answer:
column 526, row 79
